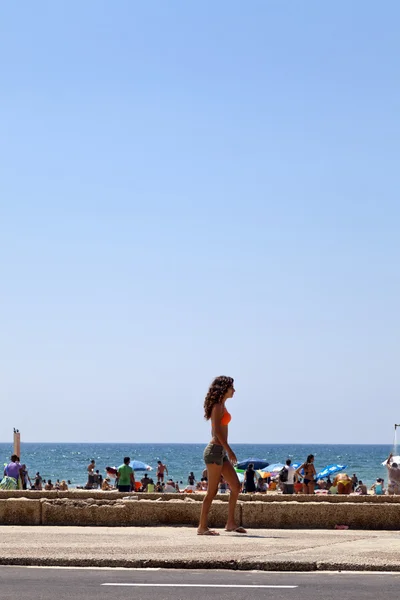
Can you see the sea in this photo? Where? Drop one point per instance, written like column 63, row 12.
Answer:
column 69, row 461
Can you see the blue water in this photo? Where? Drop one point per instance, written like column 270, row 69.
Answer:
column 69, row 461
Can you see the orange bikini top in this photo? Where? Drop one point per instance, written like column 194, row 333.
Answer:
column 226, row 418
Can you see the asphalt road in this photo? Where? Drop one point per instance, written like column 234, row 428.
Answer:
column 35, row 583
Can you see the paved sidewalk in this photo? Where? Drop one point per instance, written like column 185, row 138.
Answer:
column 180, row 547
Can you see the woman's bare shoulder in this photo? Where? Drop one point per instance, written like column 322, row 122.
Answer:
column 217, row 409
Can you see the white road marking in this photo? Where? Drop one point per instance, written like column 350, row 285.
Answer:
column 201, row 585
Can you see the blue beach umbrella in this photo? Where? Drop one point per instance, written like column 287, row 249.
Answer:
column 259, row 463
column 330, row 470
column 138, row 465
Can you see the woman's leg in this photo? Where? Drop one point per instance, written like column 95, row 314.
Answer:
column 231, row 477
column 305, row 488
column 213, row 476
column 311, row 487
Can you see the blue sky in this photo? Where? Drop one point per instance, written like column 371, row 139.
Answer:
column 191, row 189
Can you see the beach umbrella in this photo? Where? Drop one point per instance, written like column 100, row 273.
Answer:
column 395, row 459
column 274, row 469
column 138, row 465
column 259, row 463
column 329, row 470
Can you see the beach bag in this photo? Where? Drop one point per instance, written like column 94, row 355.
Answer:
column 8, row 483
column 283, row 475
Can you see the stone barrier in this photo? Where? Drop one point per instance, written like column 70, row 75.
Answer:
column 21, row 511
column 119, row 513
column 319, row 515
column 142, row 512
column 198, row 497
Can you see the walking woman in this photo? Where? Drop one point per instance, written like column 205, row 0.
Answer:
column 309, row 475
column 218, row 455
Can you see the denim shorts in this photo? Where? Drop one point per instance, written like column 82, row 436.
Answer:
column 214, row 454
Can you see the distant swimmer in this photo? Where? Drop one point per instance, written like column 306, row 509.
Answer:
column 218, row 455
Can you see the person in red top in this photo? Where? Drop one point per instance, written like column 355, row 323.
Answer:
column 218, row 455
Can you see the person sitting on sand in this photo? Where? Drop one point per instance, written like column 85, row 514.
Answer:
column 49, row 486
column 170, row 487
column 272, row 486
column 377, row 487
column 261, row 486
column 204, row 484
column 145, row 482
column 63, row 486
column 361, row 489
column 106, row 486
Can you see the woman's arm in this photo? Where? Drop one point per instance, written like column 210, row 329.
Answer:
column 299, row 469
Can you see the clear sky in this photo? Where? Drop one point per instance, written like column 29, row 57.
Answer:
column 191, row 189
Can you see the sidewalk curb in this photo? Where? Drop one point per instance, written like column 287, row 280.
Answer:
column 232, row 565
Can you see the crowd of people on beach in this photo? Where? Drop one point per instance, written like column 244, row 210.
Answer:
column 287, row 481
column 16, row 476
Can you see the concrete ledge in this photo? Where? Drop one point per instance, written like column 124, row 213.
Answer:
column 117, row 513
column 186, row 511
column 316, row 515
column 20, row 512
column 271, row 497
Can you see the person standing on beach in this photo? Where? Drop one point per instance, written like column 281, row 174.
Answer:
column 126, row 477
column 393, row 475
column 288, row 485
column 309, row 474
column 90, row 471
column 11, row 474
column 250, row 478
column 160, row 470
column 218, row 455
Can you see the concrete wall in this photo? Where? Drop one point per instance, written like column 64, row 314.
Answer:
column 268, row 515
column 20, row 512
column 115, row 495
column 320, row 515
column 131, row 512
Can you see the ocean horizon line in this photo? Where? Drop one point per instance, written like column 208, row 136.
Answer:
column 205, row 442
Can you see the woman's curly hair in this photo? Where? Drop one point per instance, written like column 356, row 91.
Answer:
column 217, row 391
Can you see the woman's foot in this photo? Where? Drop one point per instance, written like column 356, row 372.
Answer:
column 235, row 529
column 207, row 532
